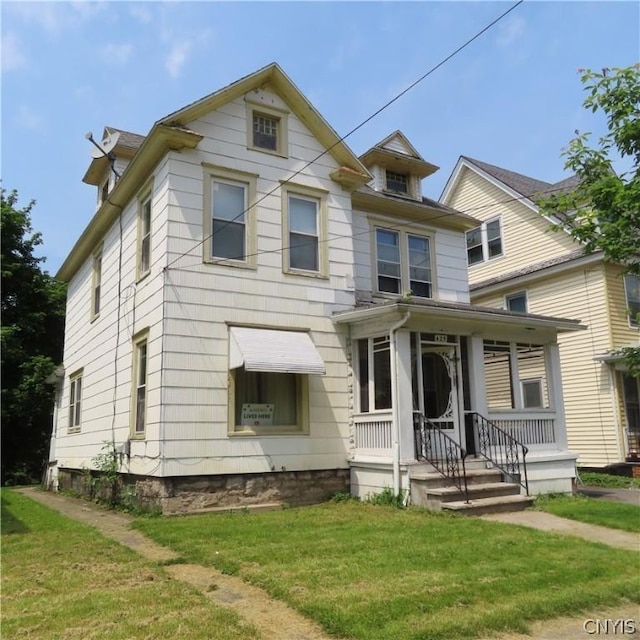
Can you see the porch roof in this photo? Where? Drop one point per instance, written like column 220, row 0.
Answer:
column 455, row 311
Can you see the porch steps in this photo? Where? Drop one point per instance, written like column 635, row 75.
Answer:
column 488, row 491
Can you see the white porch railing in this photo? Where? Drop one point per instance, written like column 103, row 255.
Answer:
column 373, row 435
column 529, row 428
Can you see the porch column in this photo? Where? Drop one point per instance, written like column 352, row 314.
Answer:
column 478, row 390
column 405, row 397
column 557, row 399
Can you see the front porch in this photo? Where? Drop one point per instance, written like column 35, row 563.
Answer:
column 446, row 384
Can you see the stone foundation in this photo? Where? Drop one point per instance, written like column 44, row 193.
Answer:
column 190, row 494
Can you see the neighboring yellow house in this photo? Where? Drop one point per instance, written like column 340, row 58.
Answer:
column 518, row 262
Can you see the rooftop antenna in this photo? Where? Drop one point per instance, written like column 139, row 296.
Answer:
column 105, row 150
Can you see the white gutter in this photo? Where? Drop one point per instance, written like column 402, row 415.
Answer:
column 394, row 402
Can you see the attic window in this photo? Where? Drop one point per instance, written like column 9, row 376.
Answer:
column 265, row 132
column 397, row 182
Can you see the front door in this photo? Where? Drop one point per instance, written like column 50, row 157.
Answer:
column 440, row 389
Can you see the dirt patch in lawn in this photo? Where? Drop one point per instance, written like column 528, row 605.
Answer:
column 274, row 619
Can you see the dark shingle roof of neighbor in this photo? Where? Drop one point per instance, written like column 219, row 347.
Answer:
column 525, row 185
column 539, row 266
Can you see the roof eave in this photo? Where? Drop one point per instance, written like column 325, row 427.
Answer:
column 160, row 140
column 525, row 321
column 380, row 203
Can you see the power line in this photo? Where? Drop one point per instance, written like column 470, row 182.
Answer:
column 390, row 227
column 356, row 128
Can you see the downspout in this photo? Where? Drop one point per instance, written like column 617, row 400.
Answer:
column 394, row 402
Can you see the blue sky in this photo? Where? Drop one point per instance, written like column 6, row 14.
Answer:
column 512, row 98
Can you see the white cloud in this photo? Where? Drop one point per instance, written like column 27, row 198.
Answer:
column 511, row 31
column 27, row 118
column 13, row 57
column 117, row 54
column 54, row 17
column 177, row 58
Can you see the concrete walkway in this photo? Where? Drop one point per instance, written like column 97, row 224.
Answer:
column 549, row 522
column 276, row 621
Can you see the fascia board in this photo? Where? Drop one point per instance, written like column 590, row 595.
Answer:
column 160, row 140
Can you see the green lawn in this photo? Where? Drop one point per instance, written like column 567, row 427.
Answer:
column 607, row 513
column 62, row 580
column 608, row 480
column 373, row 572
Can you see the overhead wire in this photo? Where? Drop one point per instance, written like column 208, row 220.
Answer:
column 351, row 132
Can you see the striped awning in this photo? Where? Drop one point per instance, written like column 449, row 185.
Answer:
column 273, row 350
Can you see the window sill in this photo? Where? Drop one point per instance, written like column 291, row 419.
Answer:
column 143, row 276
column 74, row 430
column 225, row 262
column 305, row 274
column 241, row 431
column 138, row 436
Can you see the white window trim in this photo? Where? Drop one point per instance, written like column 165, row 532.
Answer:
column 517, row 294
column 140, row 338
column 282, row 138
column 405, row 280
column 371, row 383
column 309, row 193
column 633, row 324
column 525, row 381
column 96, row 282
column 484, row 240
column 74, row 422
column 211, row 173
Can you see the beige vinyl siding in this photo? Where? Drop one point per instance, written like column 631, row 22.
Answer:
column 93, row 346
column 590, row 404
column 621, row 333
column 203, row 299
column 526, row 235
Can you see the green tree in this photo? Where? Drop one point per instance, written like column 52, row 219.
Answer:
column 32, row 333
column 603, row 211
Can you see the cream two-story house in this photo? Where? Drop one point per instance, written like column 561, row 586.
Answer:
column 518, row 262
column 256, row 315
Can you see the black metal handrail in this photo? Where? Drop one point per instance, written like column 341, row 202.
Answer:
column 441, row 451
column 501, row 448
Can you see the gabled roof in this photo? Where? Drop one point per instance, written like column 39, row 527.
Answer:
column 273, row 76
column 172, row 132
column 396, row 151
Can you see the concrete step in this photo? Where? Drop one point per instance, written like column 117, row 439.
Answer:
column 474, row 476
column 482, row 506
column 476, row 491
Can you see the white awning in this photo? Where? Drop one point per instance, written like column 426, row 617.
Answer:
column 273, row 350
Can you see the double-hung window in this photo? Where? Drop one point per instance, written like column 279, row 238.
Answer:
column 139, row 395
column 144, row 236
column 96, row 287
column 484, row 242
column 403, row 262
column 304, row 219
column 632, row 293
column 397, row 182
column 75, row 401
column 267, row 128
column 229, row 217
